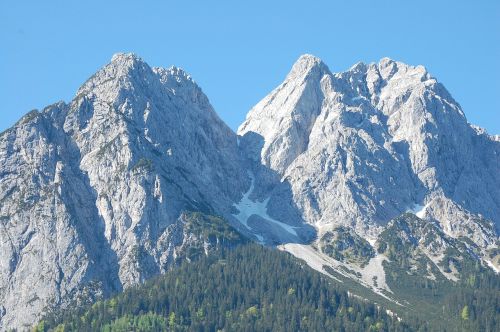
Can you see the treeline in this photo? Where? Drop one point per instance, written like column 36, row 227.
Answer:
column 252, row 288
column 249, row 288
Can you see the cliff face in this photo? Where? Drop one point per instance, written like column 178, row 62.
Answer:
column 138, row 172
column 92, row 191
column 364, row 146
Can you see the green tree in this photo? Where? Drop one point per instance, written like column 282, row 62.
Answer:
column 465, row 313
column 171, row 320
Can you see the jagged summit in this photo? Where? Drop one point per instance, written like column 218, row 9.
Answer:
column 130, row 61
column 122, row 57
column 308, row 60
column 94, row 193
column 307, row 65
column 387, row 62
column 368, row 144
column 97, row 190
column 128, row 85
column 125, row 71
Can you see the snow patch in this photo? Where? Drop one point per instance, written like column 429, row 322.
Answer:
column 419, row 210
column 260, row 238
column 248, row 208
column 371, row 241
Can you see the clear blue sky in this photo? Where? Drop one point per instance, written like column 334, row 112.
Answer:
column 238, row 51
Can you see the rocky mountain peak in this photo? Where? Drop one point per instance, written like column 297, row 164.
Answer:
column 334, row 135
column 95, row 193
column 388, row 67
column 126, row 74
column 289, row 112
column 102, row 184
column 308, row 66
column 125, row 58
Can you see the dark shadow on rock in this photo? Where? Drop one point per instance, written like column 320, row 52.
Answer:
column 284, row 223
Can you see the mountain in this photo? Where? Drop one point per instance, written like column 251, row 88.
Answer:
column 94, row 194
column 138, row 174
column 361, row 147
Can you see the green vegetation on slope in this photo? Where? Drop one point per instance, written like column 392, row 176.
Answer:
column 246, row 287
column 418, row 283
column 344, row 245
column 249, row 288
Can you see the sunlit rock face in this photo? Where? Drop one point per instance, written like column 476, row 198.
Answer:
column 137, row 172
column 361, row 147
column 90, row 191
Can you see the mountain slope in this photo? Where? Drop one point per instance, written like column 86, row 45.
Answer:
column 255, row 288
column 251, row 288
column 361, row 147
column 87, row 185
column 137, row 174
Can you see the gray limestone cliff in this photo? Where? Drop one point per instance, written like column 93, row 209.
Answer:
column 361, row 147
column 138, row 172
column 93, row 192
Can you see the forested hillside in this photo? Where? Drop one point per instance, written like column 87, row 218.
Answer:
column 250, row 288
column 253, row 288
